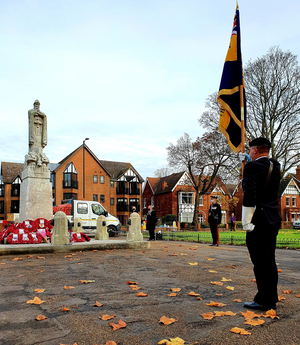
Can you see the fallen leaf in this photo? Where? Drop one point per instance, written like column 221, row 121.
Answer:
column 66, row 309
column 211, row 259
column 254, row 280
column 17, row 259
column 68, row 287
column 237, row 300
column 110, row 342
column 167, row 321
column 41, row 257
column 233, row 266
column 165, row 250
column 254, row 322
column 192, row 293
column 39, row 290
column 141, row 294
column 174, row 254
column 41, row 271
column 230, row 288
column 134, row 287
column 250, row 314
column 241, row 331
column 216, row 283
column 20, row 275
column 106, row 317
column 177, row 341
column 172, row 294
column 106, row 250
column 183, row 254
column 35, row 300
column 211, row 271
column 199, row 298
column 120, row 324
column 220, row 313
column 208, row 316
column 2, row 263
column 219, row 294
column 131, row 283
column 68, row 256
column 281, row 298
column 298, row 296
column 226, row 280
column 230, row 313
column 287, row 291
column 79, row 263
column 97, row 304
column 216, row 304
column 87, row 281
column 40, row 317
column 193, row 263
column 29, row 256
column 175, row 289
column 164, row 342
column 271, row 313
column 95, row 250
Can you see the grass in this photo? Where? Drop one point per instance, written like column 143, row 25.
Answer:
column 287, row 238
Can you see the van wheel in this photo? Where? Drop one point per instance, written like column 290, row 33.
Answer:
column 111, row 231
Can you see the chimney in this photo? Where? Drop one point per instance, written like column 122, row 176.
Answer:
column 298, row 173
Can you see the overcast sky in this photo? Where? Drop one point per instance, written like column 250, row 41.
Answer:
column 132, row 75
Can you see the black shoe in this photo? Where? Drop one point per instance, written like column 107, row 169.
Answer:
column 211, row 245
column 254, row 305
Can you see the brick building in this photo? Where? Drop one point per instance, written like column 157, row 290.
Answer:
column 174, row 194
column 116, row 185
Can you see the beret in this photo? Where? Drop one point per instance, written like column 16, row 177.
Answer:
column 260, row 142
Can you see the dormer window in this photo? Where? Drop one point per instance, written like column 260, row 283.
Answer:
column 70, row 177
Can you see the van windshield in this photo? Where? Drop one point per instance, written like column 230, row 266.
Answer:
column 98, row 209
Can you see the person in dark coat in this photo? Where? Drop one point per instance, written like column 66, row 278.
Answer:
column 151, row 221
column 261, row 219
column 214, row 219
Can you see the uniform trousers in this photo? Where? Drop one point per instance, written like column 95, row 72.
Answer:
column 261, row 243
column 214, row 229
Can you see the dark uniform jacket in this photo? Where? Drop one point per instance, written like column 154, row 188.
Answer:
column 214, row 215
column 256, row 193
column 151, row 220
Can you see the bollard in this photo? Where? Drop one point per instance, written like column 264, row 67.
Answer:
column 77, row 225
column 134, row 232
column 101, row 232
column 60, row 234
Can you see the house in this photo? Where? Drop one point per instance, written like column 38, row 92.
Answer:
column 80, row 175
column 174, row 194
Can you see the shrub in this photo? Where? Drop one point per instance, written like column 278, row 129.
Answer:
column 169, row 219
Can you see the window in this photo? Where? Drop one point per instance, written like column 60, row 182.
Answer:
column 15, row 187
column 98, row 209
column 95, row 197
column 112, row 201
column 186, row 198
column 122, row 187
column 294, row 203
column 200, row 218
column 122, row 205
column 186, row 217
column 112, row 184
column 95, row 178
column 201, row 201
column 15, row 204
column 1, row 207
column 293, row 217
column 145, row 203
column 69, row 196
column 2, row 189
column 70, row 177
column 134, row 188
column 101, row 179
column 102, row 198
column 287, row 201
column 82, row 208
column 134, row 202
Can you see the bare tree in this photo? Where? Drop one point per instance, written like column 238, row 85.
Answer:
column 203, row 159
column 161, row 172
column 273, row 105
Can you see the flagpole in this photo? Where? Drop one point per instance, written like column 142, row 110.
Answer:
column 242, row 125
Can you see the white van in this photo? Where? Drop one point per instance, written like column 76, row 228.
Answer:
column 88, row 212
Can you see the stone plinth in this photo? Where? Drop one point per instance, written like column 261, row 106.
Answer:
column 134, row 232
column 101, row 232
column 76, row 227
column 60, row 234
column 36, row 193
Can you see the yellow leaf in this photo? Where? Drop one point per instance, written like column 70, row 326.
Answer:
column 110, row 342
column 226, row 280
column 230, row 313
column 68, row 287
column 120, row 324
column 39, row 290
column 65, row 309
column 175, row 289
column 106, row 317
column 271, row 313
column 287, row 291
column 167, row 321
column 97, row 304
column 210, row 259
column 192, row 293
column 219, row 294
column 217, row 283
column 36, row 300
column 254, row 322
column 141, row 294
column 164, row 342
column 208, row 316
column 211, row 271
column 229, row 287
column 87, row 281
column 131, row 283
column 250, row 314
column 281, row 298
column 2, row 263
column 41, row 257
column 40, row 317
column 241, row 331
column 216, row 304
column 199, row 298
column 177, row 341
column 193, row 263
column 172, row 294
column 237, row 300
column 17, row 259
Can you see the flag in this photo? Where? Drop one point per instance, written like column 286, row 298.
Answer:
column 231, row 111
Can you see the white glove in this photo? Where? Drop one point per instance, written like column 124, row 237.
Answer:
column 247, row 214
column 244, row 156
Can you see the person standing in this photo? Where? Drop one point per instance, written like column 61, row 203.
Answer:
column 261, row 219
column 214, row 219
column 232, row 222
column 151, row 221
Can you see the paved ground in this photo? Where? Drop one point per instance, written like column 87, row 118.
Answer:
column 157, row 269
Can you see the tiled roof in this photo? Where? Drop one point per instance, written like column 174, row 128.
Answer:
column 153, row 182
column 117, row 169
column 167, row 183
column 10, row 171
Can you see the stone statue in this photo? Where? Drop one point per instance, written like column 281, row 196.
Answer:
column 37, row 136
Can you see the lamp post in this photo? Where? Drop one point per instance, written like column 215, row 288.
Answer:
column 83, row 164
